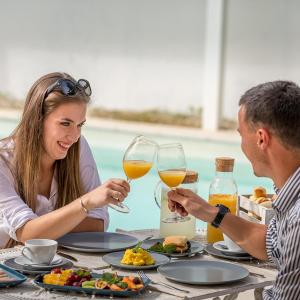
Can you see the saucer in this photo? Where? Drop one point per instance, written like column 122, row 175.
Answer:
column 221, row 246
column 66, row 264
column 215, row 252
column 23, row 261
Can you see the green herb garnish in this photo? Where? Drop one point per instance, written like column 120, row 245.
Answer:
column 159, row 247
column 171, row 248
column 122, row 285
column 136, row 248
column 110, row 278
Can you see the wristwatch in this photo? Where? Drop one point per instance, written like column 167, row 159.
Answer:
column 223, row 210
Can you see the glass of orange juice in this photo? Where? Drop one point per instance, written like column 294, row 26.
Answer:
column 137, row 161
column 171, row 166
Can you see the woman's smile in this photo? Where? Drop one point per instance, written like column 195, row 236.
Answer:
column 64, row 146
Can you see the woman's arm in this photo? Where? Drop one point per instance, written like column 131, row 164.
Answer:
column 97, row 219
column 90, row 225
column 65, row 219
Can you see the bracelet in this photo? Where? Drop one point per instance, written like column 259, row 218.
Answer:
column 83, row 207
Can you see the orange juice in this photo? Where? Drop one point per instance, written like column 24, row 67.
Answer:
column 172, row 178
column 136, row 168
column 214, row 234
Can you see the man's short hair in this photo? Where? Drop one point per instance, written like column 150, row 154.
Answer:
column 275, row 104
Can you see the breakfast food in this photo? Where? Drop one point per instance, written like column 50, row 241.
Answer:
column 179, row 241
column 67, row 277
column 171, row 244
column 115, row 283
column 82, row 278
column 260, row 197
column 138, row 257
column 259, row 192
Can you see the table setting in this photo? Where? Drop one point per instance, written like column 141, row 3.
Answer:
column 164, row 283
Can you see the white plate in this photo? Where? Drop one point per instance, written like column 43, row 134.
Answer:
column 222, row 247
column 23, row 261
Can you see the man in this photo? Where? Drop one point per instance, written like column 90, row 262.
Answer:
column 269, row 125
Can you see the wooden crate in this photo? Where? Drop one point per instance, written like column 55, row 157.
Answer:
column 263, row 214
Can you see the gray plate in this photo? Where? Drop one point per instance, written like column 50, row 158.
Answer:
column 213, row 251
column 29, row 270
column 97, row 241
column 115, row 258
column 195, row 248
column 203, row 272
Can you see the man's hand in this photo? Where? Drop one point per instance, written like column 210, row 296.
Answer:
column 187, row 202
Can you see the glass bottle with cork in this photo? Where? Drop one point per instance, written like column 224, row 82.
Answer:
column 187, row 228
column 222, row 190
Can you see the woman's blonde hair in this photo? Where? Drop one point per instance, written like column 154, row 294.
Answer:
column 28, row 141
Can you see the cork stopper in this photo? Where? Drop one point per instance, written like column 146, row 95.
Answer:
column 190, row 177
column 224, row 164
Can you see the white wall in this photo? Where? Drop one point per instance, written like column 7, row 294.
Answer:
column 147, row 53
column 137, row 54
column 262, row 43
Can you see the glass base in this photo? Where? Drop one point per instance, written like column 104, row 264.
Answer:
column 120, row 207
column 176, row 219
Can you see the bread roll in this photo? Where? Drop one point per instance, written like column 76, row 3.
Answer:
column 261, row 200
column 259, row 192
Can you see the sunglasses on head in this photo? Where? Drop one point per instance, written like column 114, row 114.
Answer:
column 69, row 88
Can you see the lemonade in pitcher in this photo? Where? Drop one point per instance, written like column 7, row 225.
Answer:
column 187, row 228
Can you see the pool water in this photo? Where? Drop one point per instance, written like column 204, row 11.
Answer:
column 108, row 147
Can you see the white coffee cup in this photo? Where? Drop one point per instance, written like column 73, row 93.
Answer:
column 231, row 245
column 40, row 251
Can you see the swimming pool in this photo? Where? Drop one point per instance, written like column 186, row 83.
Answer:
column 108, row 147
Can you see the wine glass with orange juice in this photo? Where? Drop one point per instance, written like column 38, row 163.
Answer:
column 171, row 166
column 137, row 161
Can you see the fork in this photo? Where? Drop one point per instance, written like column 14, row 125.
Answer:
column 144, row 277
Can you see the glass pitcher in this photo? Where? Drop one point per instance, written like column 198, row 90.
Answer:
column 187, row 228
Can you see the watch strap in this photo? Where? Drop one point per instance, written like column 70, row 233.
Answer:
column 223, row 210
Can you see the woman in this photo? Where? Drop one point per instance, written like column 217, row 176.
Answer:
column 49, row 183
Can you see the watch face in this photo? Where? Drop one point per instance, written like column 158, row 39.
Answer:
column 223, row 207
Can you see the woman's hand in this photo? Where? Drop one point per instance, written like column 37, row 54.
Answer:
column 187, row 202
column 111, row 191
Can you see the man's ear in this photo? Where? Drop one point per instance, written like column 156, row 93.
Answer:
column 263, row 138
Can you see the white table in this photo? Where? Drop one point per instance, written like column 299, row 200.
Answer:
column 29, row 291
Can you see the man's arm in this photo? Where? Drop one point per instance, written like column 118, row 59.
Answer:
column 250, row 236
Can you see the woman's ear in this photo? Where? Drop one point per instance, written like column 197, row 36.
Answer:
column 263, row 138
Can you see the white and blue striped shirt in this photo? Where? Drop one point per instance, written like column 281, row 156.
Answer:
column 283, row 241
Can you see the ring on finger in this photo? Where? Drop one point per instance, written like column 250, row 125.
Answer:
column 116, row 198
